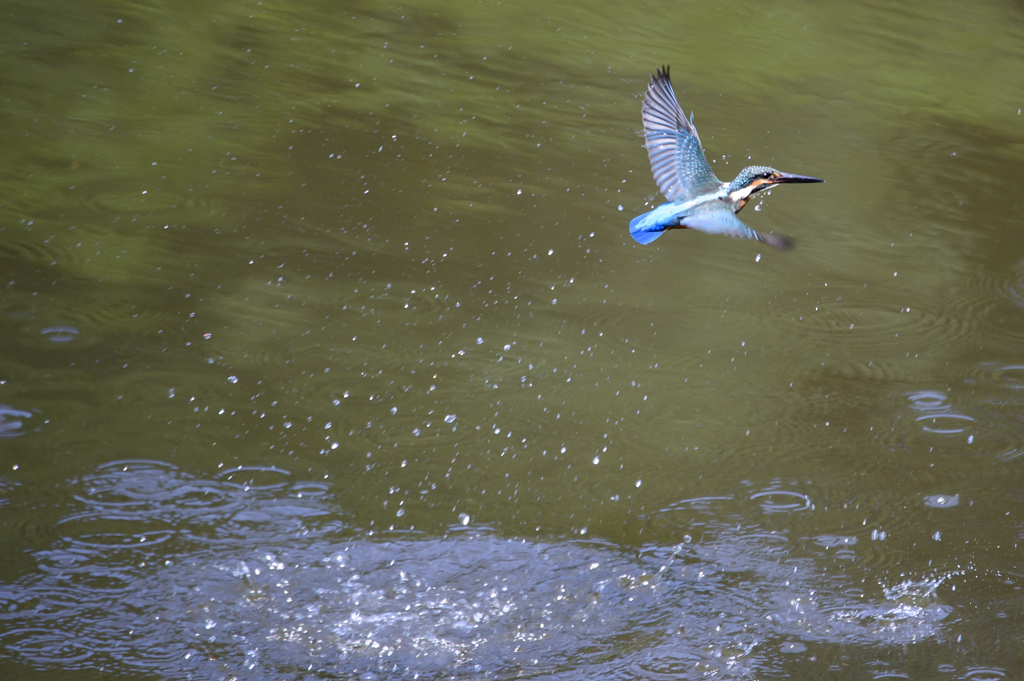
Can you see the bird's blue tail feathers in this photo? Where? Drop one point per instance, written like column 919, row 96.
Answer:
column 645, row 233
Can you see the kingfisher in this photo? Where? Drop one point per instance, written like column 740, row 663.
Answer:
column 697, row 199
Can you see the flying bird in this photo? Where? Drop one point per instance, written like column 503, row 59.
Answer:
column 697, row 199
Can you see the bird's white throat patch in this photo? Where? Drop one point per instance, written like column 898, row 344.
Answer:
column 743, row 194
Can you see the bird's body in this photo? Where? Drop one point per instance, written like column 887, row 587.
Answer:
column 697, row 199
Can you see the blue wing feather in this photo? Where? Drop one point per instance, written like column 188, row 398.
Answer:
column 673, row 146
column 719, row 219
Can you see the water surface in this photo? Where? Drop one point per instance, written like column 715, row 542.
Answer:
column 328, row 353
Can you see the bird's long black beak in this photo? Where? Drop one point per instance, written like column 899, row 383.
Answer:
column 789, row 177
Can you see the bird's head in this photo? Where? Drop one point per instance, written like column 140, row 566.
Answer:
column 753, row 179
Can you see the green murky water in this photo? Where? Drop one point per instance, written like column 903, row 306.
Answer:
column 328, row 353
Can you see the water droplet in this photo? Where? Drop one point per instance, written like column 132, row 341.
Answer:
column 450, row 418
column 464, row 518
column 232, row 379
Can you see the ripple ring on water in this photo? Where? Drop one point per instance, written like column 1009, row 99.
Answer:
column 1011, row 376
column 936, row 419
column 246, row 476
column 11, row 421
column 984, row 674
column 942, row 500
column 60, row 334
column 772, row 505
column 927, row 400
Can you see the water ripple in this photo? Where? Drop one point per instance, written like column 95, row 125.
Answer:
column 60, row 334
column 783, row 501
column 944, row 424
column 294, row 595
column 942, row 500
column 12, row 421
column 984, row 674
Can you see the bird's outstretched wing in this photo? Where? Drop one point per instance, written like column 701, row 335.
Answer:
column 673, row 146
column 721, row 220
